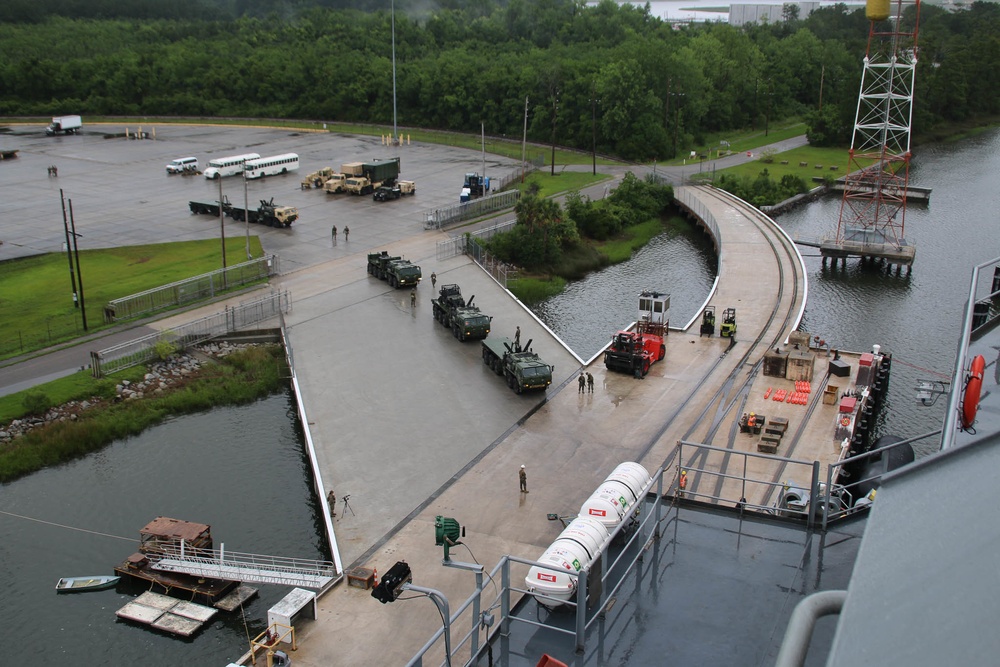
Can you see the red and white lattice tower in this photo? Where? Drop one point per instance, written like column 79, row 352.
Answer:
column 873, row 210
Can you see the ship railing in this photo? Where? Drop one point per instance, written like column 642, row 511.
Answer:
column 710, row 479
column 596, row 587
column 849, row 498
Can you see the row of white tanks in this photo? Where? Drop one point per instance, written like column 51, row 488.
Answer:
column 616, row 500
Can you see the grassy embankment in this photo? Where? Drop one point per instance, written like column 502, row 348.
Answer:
column 240, row 378
column 37, row 309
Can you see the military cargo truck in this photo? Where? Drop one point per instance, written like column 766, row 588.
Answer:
column 395, row 270
column 268, row 213
column 465, row 320
column 523, row 369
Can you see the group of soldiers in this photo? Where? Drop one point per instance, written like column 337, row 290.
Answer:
column 586, row 381
column 347, row 232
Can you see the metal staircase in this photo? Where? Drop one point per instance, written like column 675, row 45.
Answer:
column 236, row 566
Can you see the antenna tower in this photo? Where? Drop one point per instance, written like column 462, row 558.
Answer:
column 873, row 210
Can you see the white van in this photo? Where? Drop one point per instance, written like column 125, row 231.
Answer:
column 183, row 164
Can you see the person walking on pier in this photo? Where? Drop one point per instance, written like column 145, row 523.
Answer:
column 347, row 231
column 413, row 298
column 517, row 337
column 434, row 280
column 590, row 383
column 582, row 381
column 523, row 477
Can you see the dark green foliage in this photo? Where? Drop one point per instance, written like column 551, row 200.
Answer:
column 603, row 74
column 763, row 190
column 36, row 403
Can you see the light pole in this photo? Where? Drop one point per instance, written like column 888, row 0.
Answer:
column 394, row 129
column 79, row 276
column 69, row 249
column 524, row 139
column 677, row 118
column 222, row 226
column 593, row 129
column 555, row 109
column 246, row 208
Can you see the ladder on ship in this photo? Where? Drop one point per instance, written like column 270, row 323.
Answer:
column 236, row 566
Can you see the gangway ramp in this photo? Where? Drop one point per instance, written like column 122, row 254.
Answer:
column 236, row 566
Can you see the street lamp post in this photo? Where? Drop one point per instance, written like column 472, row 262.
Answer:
column 593, row 129
column 555, row 110
column 79, row 276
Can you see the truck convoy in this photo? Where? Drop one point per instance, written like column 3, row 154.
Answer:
column 267, row 213
column 635, row 351
column 466, row 321
column 523, row 369
column 64, row 125
column 395, row 270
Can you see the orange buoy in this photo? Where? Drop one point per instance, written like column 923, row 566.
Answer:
column 970, row 402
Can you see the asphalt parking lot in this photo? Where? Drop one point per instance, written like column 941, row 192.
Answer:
column 122, row 195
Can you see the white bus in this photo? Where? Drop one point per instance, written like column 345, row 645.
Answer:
column 228, row 166
column 268, row 166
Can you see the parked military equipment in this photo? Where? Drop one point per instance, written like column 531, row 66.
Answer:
column 210, row 207
column 523, row 369
column 317, row 179
column 465, row 320
column 386, row 193
column 268, row 213
column 373, row 174
column 407, row 187
column 395, row 270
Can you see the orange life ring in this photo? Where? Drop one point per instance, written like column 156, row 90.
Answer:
column 970, row 402
column 845, row 421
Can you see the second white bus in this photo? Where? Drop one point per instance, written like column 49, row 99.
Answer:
column 269, row 166
column 228, row 166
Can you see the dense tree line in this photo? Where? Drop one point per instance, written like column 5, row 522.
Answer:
column 643, row 88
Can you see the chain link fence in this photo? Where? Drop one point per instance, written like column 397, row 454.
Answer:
column 191, row 289
column 147, row 348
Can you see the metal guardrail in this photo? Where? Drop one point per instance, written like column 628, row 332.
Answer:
column 588, row 607
column 222, row 564
column 475, row 208
column 185, row 291
column 147, row 348
column 469, row 244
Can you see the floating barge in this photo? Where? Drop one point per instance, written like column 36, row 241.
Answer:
column 168, row 614
column 165, row 533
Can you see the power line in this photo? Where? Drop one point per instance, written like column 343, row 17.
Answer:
column 61, row 525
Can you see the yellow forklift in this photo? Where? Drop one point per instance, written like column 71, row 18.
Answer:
column 728, row 327
column 708, row 322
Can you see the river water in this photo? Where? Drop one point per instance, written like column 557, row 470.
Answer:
column 240, row 469
column 243, row 469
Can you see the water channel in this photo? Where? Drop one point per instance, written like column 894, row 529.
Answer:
column 243, row 469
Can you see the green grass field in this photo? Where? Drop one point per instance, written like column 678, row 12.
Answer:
column 36, row 306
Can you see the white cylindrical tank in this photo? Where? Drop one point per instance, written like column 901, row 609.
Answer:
column 604, row 507
column 562, row 557
column 632, row 475
column 588, row 533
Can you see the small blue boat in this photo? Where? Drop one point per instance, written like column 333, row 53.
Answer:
column 81, row 584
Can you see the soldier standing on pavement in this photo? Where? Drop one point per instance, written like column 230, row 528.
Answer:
column 523, row 476
column 334, row 230
column 413, row 298
column 517, row 337
column 590, row 383
column 331, row 500
column 582, row 381
column 347, row 230
column 434, row 280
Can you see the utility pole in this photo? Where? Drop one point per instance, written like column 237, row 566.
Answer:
column 246, row 208
column 76, row 251
column 222, row 226
column 555, row 110
column 524, row 140
column 593, row 128
column 822, row 76
column 69, row 249
column 394, row 129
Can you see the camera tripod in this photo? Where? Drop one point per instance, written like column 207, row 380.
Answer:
column 347, row 505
